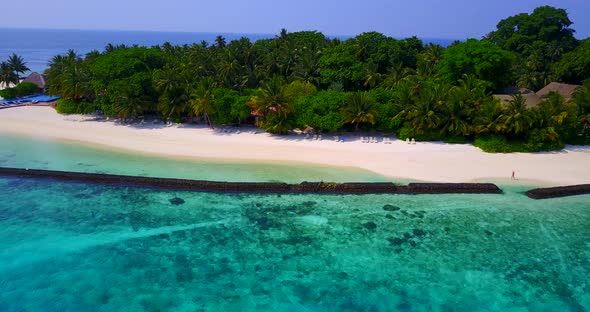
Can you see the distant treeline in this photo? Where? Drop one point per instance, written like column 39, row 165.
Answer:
column 369, row 82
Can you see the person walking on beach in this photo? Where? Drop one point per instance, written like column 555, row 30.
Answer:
column 513, row 176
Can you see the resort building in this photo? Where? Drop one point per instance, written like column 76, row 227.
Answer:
column 564, row 89
column 532, row 98
column 39, row 80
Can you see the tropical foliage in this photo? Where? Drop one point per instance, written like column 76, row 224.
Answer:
column 11, row 69
column 305, row 80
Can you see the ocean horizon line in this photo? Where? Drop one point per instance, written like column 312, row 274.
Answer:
column 339, row 36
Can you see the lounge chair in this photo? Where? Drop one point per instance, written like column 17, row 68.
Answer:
column 408, row 140
column 413, row 141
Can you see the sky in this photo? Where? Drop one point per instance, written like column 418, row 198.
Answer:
column 449, row 19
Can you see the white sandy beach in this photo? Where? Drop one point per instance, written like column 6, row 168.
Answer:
column 434, row 162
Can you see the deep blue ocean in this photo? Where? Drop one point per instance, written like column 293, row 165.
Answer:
column 38, row 46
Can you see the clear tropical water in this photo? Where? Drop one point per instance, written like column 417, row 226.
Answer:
column 83, row 247
column 79, row 247
column 21, row 152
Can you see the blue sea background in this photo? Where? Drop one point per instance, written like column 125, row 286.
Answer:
column 38, row 46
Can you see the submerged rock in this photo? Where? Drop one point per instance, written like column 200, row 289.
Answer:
column 342, row 275
column 388, row 216
column 396, row 241
column 265, row 223
column 371, row 226
column 419, row 232
column 176, row 201
column 391, row 208
column 309, row 204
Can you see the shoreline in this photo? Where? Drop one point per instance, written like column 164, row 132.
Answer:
column 432, row 162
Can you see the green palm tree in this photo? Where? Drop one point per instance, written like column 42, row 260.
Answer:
column 581, row 98
column 429, row 58
column 516, row 118
column 403, row 101
column 174, row 91
column 425, row 114
column 273, row 107
column 168, row 80
column 232, row 73
column 373, row 77
column 272, row 98
column 487, row 118
column 68, row 77
column 59, row 65
column 554, row 106
column 359, row 108
column 17, row 65
column 130, row 105
column 395, row 75
column 201, row 100
column 220, row 42
column 457, row 114
column 7, row 75
column 76, row 83
column 307, row 68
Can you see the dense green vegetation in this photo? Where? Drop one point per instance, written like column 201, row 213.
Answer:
column 22, row 89
column 370, row 82
column 10, row 71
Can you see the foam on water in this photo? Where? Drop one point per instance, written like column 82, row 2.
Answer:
column 78, row 247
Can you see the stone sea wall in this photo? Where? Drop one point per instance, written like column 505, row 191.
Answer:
column 560, row 191
column 256, row 187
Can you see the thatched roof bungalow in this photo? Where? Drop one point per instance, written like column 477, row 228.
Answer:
column 533, row 99
column 564, row 89
column 39, row 80
column 530, row 97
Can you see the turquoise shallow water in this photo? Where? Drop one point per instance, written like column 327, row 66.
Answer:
column 80, row 247
column 83, row 247
column 22, row 152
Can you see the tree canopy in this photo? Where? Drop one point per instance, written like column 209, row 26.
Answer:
column 305, row 80
column 481, row 59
